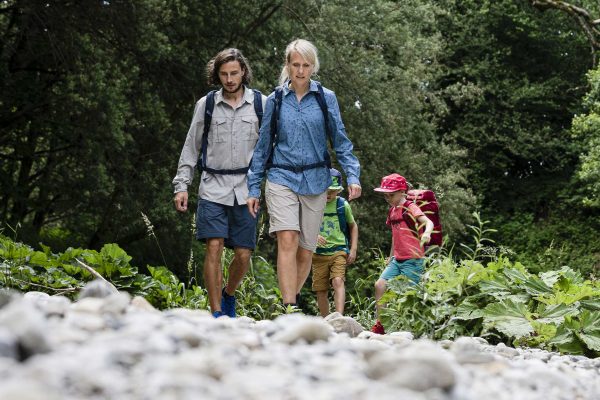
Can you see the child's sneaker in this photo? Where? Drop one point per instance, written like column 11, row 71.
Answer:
column 227, row 304
column 378, row 328
column 218, row 314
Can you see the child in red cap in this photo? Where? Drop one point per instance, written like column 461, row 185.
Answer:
column 407, row 252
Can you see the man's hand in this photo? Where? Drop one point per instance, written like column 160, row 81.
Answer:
column 354, row 191
column 181, row 199
column 321, row 241
column 253, row 205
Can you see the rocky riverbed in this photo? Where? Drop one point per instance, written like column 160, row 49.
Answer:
column 110, row 346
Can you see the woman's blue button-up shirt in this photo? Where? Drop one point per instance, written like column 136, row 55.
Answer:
column 302, row 140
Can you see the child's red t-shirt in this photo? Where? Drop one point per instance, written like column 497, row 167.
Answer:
column 406, row 243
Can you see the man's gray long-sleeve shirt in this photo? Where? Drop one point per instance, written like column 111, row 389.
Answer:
column 232, row 136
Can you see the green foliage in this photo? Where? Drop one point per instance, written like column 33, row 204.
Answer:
column 258, row 296
column 25, row 269
column 586, row 127
column 512, row 78
column 565, row 237
column 499, row 300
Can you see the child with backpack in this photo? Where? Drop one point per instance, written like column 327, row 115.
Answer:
column 336, row 248
column 407, row 250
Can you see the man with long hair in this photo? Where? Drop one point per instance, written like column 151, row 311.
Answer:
column 224, row 131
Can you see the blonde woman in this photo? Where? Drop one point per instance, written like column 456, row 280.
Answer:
column 300, row 117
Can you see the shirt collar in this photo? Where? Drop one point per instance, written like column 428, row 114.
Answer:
column 312, row 87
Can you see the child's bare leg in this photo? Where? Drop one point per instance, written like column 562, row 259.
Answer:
column 323, row 303
column 339, row 294
column 380, row 287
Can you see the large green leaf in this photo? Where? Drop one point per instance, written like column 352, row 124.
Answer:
column 509, row 317
column 468, row 311
column 591, row 304
column 496, row 288
column 566, row 341
column 536, row 286
column 516, row 276
column 550, row 277
column 575, row 293
column 555, row 314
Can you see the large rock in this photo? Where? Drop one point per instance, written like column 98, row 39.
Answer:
column 341, row 324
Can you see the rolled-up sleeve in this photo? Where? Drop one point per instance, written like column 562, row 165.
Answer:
column 256, row 173
column 341, row 143
column 191, row 149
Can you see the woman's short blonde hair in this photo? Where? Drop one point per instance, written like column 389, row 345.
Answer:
column 307, row 50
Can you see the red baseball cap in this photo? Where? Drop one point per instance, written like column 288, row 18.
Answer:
column 392, row 183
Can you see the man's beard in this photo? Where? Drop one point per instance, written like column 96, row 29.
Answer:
column 237, row 89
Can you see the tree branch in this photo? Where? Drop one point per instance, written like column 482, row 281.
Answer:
column 96, row 274
column 581, row 16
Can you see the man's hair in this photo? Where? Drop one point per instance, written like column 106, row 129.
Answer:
column 225, row 56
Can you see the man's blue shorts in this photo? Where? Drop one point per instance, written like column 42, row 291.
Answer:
column 412, row 268
column 233, row 223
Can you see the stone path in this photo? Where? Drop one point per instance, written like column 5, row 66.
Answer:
column 116, row 347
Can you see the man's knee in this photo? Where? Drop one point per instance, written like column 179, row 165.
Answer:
column 380, row 284
column 214, row 247
column 243, row 255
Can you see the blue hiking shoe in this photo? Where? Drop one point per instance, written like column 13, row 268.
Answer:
column 218, row 314
column 227, row 304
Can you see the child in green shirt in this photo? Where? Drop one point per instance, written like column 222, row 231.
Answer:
column 336, row 248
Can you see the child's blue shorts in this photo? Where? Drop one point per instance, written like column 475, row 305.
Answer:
column 412, row 268
column 233, row 223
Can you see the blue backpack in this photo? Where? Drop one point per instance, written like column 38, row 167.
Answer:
column 278, row 98
column 341, row 214
column 208, row 110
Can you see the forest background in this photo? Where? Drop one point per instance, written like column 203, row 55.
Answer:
column 492, row 104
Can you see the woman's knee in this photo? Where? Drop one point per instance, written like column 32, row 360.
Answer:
column 287, row 240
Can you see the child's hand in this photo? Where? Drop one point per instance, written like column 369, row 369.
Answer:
column 351, row 257
column 425, row 238
column 321, row 241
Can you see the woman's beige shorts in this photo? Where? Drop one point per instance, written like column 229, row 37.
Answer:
column 289, row 211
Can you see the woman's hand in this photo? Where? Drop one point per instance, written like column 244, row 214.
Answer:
column 253, row 205
column 354, row 191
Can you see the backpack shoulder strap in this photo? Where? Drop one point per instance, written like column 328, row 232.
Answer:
column 258, row 106
column 323, row 104
column 208, row 112
column 411, row 222
column 320, row 96
column 341, row 213
column 277, row 99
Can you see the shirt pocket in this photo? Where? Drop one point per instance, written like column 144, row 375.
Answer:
column 220, row 130
column 249, row 128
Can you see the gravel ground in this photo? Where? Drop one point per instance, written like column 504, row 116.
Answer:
column 116, row 347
